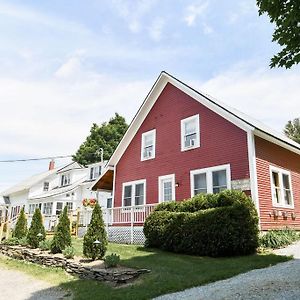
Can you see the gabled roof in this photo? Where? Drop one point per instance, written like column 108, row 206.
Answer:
column 28, row 183
column 236, row 117
column 71, row 166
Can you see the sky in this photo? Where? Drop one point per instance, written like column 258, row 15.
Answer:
column 65, row 64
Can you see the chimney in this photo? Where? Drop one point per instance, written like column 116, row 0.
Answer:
column 51, row 164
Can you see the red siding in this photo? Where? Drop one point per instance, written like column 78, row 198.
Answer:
column 221, row 143
column 270, row 154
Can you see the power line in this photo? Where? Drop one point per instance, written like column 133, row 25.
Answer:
column 34, row 159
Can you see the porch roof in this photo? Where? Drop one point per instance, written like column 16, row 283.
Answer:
column 105, row 181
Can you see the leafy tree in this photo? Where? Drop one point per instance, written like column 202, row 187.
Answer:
column 21, row 226
column 96, row 231
column 62, row 235
column 36, row 232
column 292, row 130
column 285, row 14
column 106, row 136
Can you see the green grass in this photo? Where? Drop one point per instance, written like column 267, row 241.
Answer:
column 169, row 272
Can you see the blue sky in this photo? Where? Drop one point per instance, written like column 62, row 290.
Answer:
column 67, row 64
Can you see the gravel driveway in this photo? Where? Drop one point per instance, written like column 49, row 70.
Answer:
column 15, row 285
column 281, row 281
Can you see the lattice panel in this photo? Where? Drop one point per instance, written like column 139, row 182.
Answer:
column 118, row 234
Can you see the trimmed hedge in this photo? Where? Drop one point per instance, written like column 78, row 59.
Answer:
column 223, row 224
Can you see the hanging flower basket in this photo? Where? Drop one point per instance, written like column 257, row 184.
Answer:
column 89, row 202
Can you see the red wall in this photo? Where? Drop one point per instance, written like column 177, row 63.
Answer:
column 221, row 143
column 270, row 154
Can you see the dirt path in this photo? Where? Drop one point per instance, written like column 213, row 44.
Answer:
column 15, row 285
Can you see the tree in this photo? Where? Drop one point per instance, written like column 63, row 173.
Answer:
column 106, row 136
column 21, row 226
column 36, row 232
column 96, row 232
column 285, row 14
column 62, row 235
column 292, row 130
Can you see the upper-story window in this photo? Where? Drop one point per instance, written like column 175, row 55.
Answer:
column 148, row 145
column 190, row 133
column 46, row 186
column 210, row 180
column 65, row 179
column 281, row 187
column 95, row 172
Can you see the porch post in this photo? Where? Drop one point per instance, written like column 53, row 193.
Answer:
column 131, row 226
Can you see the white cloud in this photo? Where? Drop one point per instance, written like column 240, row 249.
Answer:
column 156, row 28
column 195, row 11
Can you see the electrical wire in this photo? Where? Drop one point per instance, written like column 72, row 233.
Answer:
column 34, row 159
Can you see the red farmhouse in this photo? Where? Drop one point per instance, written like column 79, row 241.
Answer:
column 182, row 142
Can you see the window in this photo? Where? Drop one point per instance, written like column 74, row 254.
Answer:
column 148, row 145
column 59, row 207
column 95, row 172
column 134, row 193
column 65, row 179
column 46, row 186
column 47, row 208
column 190, row 133
column 281, row 187
column 32, row 208
column 109, row 202
column 166, row 188
column 210, row 180
column 69, row 206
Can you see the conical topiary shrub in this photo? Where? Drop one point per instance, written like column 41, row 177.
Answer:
column 62, row 235
column 96, row 232
column 20, row 230
column 36, row 232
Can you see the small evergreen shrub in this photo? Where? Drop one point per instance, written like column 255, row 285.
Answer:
column 20, row 230
column 45, row 245
column 223, row 224
column 69, row 252
column 36, row 232
column 96, row 231
column 279, row 238
column 62, row 235
column 11, row 241
column 112, row 260
column 23, row 241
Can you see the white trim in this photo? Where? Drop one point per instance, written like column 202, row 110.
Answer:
column 280, row 173
column 152, row 133
column 253, row 170
column 208, row 172
column 182, row 132
column 133, row 184
column 160, row 187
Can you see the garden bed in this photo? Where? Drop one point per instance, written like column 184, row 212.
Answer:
column 83, row 268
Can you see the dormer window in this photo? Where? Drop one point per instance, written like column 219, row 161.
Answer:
column 190, row 133
column 46, row 186
column 65, row 179
column 148, row 145
column 95, row 172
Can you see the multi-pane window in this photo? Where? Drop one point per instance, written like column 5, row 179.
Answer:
column 148, row 145
column 46, row 186
column 69, row 206
column 281, row 187
column 166, row 185
column 210, row 180
column 59, row 207
column 65, row 179
column 95, row 172
column 190, row 133
column 32, row 208
column 134, row 193
column 47, row 208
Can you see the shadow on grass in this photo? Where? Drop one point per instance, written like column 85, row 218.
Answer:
column 169, row 273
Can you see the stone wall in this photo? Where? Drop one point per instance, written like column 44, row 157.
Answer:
column 115, row 276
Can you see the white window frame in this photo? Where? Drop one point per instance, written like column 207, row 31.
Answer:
column 161, row 179
column 197, row 143
column 95, row 172
column 209, row 177
column 66, row 175
column 150, row 132
column 280, row 173
column 133, row 184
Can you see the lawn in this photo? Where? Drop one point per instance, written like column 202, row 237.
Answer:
column 169, row 272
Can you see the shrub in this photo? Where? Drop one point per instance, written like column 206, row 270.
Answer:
column 20, row 230
column 36, row 232
column 278, row 238
column 111, row 260
column 62, row 235
column 215, row 225
column 45, row 245
column 69, row 252
column 96, row 231
column 23, row 241
column 11, row 241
